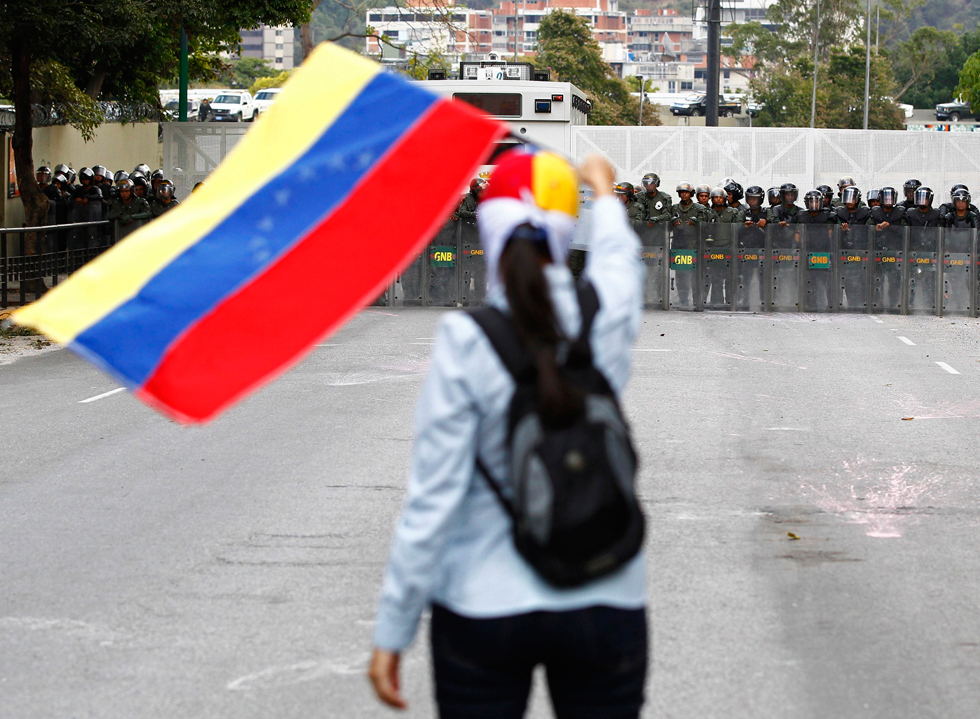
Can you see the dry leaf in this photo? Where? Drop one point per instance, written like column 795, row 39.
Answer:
column 792, row 536
column 906, row 419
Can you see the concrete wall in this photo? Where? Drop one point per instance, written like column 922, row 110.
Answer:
column 118, row 147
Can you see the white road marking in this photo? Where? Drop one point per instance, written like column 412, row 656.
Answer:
column 877, row 320
column 907, row 341
column 421, row 343
column 328, row 345
column 638, row 349
column 786, row 429
column 97, row 397
column 947, row 367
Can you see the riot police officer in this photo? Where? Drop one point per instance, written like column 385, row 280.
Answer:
column 923, row 214
column 755, row 214
column 961, row 214
column 703, row 195
column 785, row 213
column 163, row 200
column 910, row 187
column 718, row 239
column 922, row 278
column 688, row 216
column 735, row 195
column 753, row 236
column 819, row 239
column 853, row 218
column 874, row 198
column 467, row 208
column 947, row 207
column 657, row 204
column 889, row 237
column 772, row 194
column 126, row 209
column 842, row 183
column 828, row 195
column 634, row 210
column 817, row 212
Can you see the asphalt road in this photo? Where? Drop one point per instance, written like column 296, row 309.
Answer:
column 150, row 570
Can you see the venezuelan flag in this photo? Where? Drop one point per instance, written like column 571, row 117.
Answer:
column 288, row 230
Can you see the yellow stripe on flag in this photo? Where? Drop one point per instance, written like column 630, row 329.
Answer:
column 312, row 100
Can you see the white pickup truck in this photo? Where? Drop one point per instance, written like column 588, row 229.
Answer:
column 233, row 107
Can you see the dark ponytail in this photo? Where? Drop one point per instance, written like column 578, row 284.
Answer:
column 534, row 320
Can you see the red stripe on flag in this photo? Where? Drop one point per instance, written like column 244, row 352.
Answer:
column 334, row 271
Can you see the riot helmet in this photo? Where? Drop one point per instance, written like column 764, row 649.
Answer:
column 71, row 176
column 478, row 185
column 703, row 193
column 624, row 190
column 685, row 187
column 923, row 196
column 773, row 195
column 60, row 180
column 813, row 200
column 754, row 193
column 100, row 172
column 651, row 179
column 843, row 182
column 888, row 197
column 962, row 195
column 86, row 174
column 137, row 174
column 125, row 188
column 718, row 193
column 139, row 186
column 910, row 187
column 165, row 189
column 958, row 186
column 61, row 170
column 851, row 196
column 143, row 169
column 43, row 175
column 788, row 194
column 828, row 194
column 120, row 176
column 734, row 189
column 874, row 198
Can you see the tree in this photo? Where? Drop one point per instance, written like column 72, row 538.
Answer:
column 109, row 49
column 567, row 48
column 245, row 72
column 969, row 85
column 264, row 83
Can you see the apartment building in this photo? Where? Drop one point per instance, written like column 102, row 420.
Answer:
column 273, row 44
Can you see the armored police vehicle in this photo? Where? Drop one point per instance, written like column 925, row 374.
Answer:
column 539, row 111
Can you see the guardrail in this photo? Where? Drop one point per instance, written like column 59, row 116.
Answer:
column 65, row 248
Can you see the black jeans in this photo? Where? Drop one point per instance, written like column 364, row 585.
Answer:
column 595, row 658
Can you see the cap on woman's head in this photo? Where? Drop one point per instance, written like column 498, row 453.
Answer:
column 539, row 189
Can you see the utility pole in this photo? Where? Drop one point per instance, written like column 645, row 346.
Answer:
column 640, row 78
column 816, row 65
column 714, row 62
column 182, row 102
column 867, row 69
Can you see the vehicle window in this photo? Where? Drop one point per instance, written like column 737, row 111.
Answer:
column 499, row 104
column 228, row 99
column 266, row 95
column 693, row 98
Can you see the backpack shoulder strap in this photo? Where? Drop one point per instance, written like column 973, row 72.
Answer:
column 505, row 342
column 588, row 305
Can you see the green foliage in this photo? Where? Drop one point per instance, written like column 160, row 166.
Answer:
column 969, row 84
column 264, row 83
column 926, row 66
column 567, row 48
column 634, row 84
column 244, row 72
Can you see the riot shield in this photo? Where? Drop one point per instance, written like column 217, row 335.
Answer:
column 472, row 266
column 923, row 269
column 716, row 265
column 819, row 244
column 684, row 267
column 407, row 288
column 889, row 270
column 853, row 271
column 442, row 284
column 786, row 244
column 750, row 243
column 959, row 281
column 654, row 239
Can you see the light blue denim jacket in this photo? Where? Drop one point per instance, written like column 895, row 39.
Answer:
column 452, row 544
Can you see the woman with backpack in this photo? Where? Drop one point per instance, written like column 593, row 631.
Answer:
column 520, row 528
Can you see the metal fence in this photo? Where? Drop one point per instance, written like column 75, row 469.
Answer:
column 64, row 249
column 192, row 150
column 772, row 156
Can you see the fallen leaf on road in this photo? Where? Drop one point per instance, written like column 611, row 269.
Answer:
column 906, row 419
column 792, row 536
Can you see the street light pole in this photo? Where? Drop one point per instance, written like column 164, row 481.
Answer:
column 867, row 69
column 816, row 65
column 640, row 78
column 714, row 63
column 182, row 101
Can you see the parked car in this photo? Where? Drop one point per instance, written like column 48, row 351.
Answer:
column 696, row 106
column 172, row 110
column 954, row 111
column 265, row 98
column 233, row 107
column 753, row 109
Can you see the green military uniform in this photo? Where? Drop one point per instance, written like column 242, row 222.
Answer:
column 636, row 212
column 658, row 207
column 725, row 215
column 782, row 213
column 124, row 212
column 693, row 214
column 467, row 208
column 157, row 208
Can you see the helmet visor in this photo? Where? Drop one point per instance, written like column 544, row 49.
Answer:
column 851, row 195
column 923, row 198
column 888, row 196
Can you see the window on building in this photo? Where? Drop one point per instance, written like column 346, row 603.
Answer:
column 499, row 104
column 392, row 34
column 278, row 33
column 687, row 85
column 375, row 17
column 700, row 74
column 278, row 46
column 278, row 61
column 728, row 74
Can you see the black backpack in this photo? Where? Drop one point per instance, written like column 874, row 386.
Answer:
column 574, row 510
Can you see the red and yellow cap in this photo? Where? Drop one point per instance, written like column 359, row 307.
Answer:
column 544, row 176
